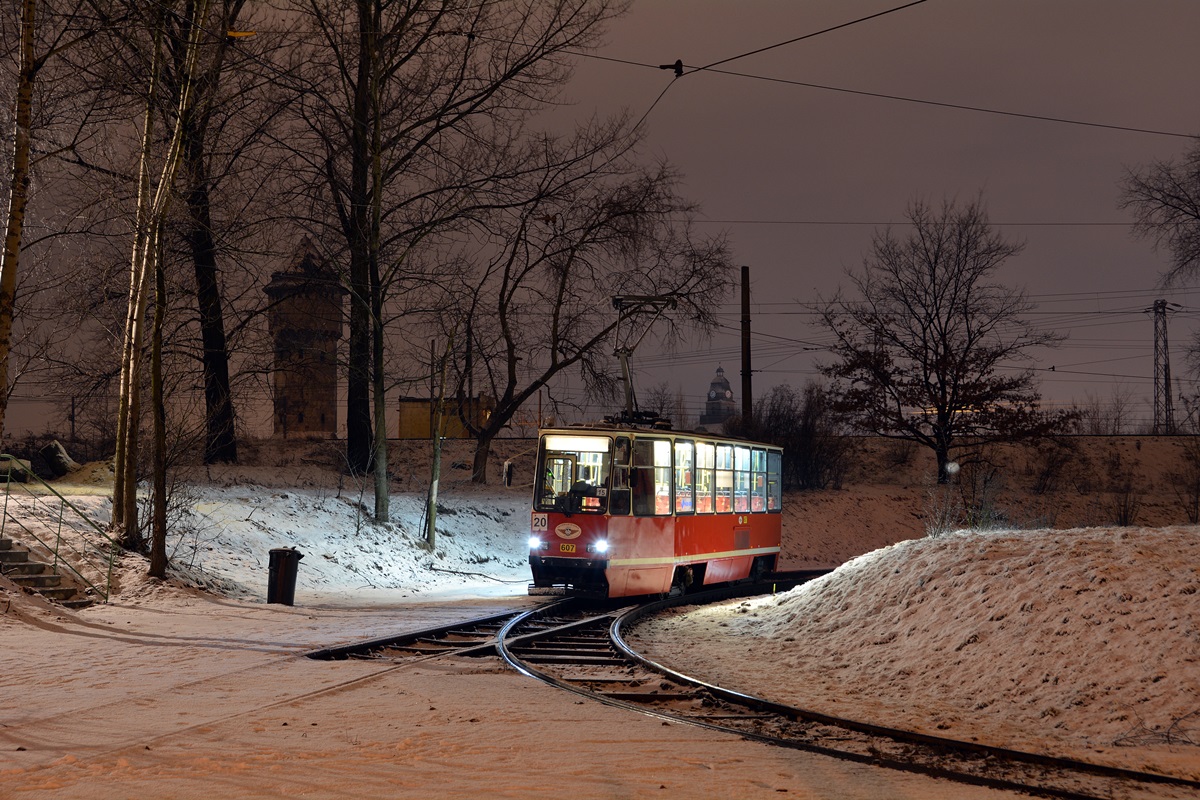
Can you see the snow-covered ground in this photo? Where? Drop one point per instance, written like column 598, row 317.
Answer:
column 1079, row 642
column 227, row 535
column 1083, row 642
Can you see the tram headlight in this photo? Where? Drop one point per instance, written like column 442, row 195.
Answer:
column 598, row 547
column 537, row 544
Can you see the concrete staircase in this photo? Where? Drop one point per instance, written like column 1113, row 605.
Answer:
column 36, row 576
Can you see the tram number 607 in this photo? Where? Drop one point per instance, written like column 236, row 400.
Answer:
column 566, row 548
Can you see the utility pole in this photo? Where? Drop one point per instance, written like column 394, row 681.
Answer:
column 747, row 394
column 1164, row 414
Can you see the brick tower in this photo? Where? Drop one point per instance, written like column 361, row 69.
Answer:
column 305, row 319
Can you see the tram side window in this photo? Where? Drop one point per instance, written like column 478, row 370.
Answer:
column 651, row 477
column 758, row 480
column 705, row 461
column 684, row 452
column 741, row 479
column 619, row 502
column 724, row 478
column 774, row 481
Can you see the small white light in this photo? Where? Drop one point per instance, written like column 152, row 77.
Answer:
column 600, row 546
column 534, row 543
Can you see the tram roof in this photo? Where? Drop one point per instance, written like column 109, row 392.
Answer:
column 615, row 429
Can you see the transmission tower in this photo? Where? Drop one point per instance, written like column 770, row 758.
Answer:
column 1164, row 415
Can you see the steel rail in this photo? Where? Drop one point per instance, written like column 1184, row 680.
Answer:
column 938, row 750
column 367, row 647
column 1036, row 759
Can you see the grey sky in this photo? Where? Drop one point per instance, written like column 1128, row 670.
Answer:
column 769, row 161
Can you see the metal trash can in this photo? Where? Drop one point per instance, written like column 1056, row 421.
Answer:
column 281, row 581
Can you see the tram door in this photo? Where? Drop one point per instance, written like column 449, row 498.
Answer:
column 560, row 471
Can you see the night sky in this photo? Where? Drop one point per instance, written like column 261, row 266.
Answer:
column 800, row 177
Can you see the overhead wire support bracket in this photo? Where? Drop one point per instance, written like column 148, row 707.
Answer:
column 635, row 304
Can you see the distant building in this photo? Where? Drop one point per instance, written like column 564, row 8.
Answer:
column 719, row 405
column 416, row 416
column 305, row 319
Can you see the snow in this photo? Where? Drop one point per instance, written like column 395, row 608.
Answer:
column 229, row 533
column 1080, row 642
column 1083, row 642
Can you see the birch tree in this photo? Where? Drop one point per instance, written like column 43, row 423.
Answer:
column 156, row 177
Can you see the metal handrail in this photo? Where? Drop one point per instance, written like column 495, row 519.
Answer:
column 64, row 553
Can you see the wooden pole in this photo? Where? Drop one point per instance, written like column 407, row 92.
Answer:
column 747, row 394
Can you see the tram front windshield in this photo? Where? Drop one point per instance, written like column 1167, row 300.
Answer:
column 574, row 473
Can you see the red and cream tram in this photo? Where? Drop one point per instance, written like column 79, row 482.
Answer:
column 620, row 511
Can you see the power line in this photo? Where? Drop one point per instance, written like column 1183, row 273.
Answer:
column 898, row 223
column 879, row 96
column 807, row 36
column 956, row 106
column 678, row 66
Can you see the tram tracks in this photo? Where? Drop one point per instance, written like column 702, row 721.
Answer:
column 581, row 648
column 594, row 660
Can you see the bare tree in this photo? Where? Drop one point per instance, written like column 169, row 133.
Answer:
column 41, row 40
column 1112, row 417
column 932, row 350
column 403, row 107
column 669, row 404
column 658, row 399
column 535, row 300
column 1165, row 200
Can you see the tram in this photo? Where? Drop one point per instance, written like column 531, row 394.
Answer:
column 621, row 511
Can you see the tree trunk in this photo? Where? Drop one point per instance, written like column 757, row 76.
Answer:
column 483, row 447
column 359, row 441
column 124, row 519
column 220, row 443
column 18, row 196
column 942, row 451
column 380, row 466
column 435, row 437
column 380, row 454
column 158, row 527
column 435, row 475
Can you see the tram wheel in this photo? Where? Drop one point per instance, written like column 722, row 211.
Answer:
column 760, row 568
column 681, row 582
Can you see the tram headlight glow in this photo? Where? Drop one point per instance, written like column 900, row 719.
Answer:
column 600, row 546
column 535, row 543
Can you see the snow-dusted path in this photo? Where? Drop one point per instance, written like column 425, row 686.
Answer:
column 197, row 697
